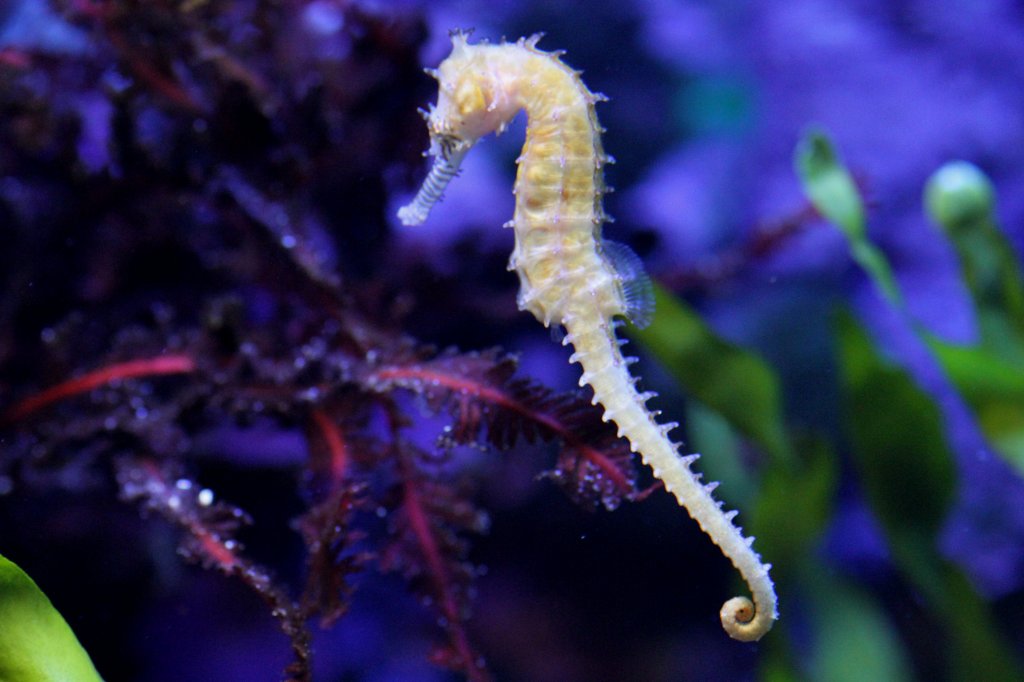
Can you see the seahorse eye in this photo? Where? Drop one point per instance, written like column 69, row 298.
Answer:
column 470, row 98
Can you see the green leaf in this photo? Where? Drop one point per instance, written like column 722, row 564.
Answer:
column 994, row 389
column 828, row 184
column 710, row 432
column 908, row 476
column 36, row 644
column 733, row 382
column 854, row 641
column 834, row 194
column 900, row 448
column 777, row 662
column 795, row 505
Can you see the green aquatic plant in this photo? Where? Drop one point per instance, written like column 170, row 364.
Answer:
column 896, row 430
column 36, row 643
column 959, row 198
column 989, row 374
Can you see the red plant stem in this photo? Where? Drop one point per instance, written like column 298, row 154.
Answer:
column 212, row 544
column 160, row 493
column 15, row 58
column 422, row 529
column 216, row 549
column 487, row 393
column 132, row 369
column 103, row 13
column 765, row 239
column 336, row 446
column 94, row 10
column 163, row 85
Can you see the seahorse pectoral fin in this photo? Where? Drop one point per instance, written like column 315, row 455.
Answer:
column 634, row 284
column 446, row 166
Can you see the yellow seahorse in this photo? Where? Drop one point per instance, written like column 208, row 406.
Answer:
column 569, row 275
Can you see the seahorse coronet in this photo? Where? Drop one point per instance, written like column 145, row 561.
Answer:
column 568, row 274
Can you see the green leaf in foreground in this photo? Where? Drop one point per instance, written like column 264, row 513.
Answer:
column 899, row 446
column 36, row 643
column 994, row 389
column 854, row 640
column 834, row 194
column 795, row 505
column 908, row 477
column 736, row 384
column 708, row 431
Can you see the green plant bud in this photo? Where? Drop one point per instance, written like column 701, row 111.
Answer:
column 958, row 194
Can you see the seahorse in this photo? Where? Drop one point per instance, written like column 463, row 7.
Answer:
column 569, row 274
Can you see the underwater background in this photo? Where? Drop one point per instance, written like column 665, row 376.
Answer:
column 233, row 445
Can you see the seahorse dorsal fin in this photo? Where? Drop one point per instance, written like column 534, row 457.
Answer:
column 637, row 291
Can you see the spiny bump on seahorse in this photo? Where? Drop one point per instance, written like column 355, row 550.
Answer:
column 569, row 274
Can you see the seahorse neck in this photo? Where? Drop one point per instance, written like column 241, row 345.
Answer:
column 559, row 185
column 558, row 105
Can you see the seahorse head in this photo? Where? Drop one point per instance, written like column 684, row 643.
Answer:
column 476, row 95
